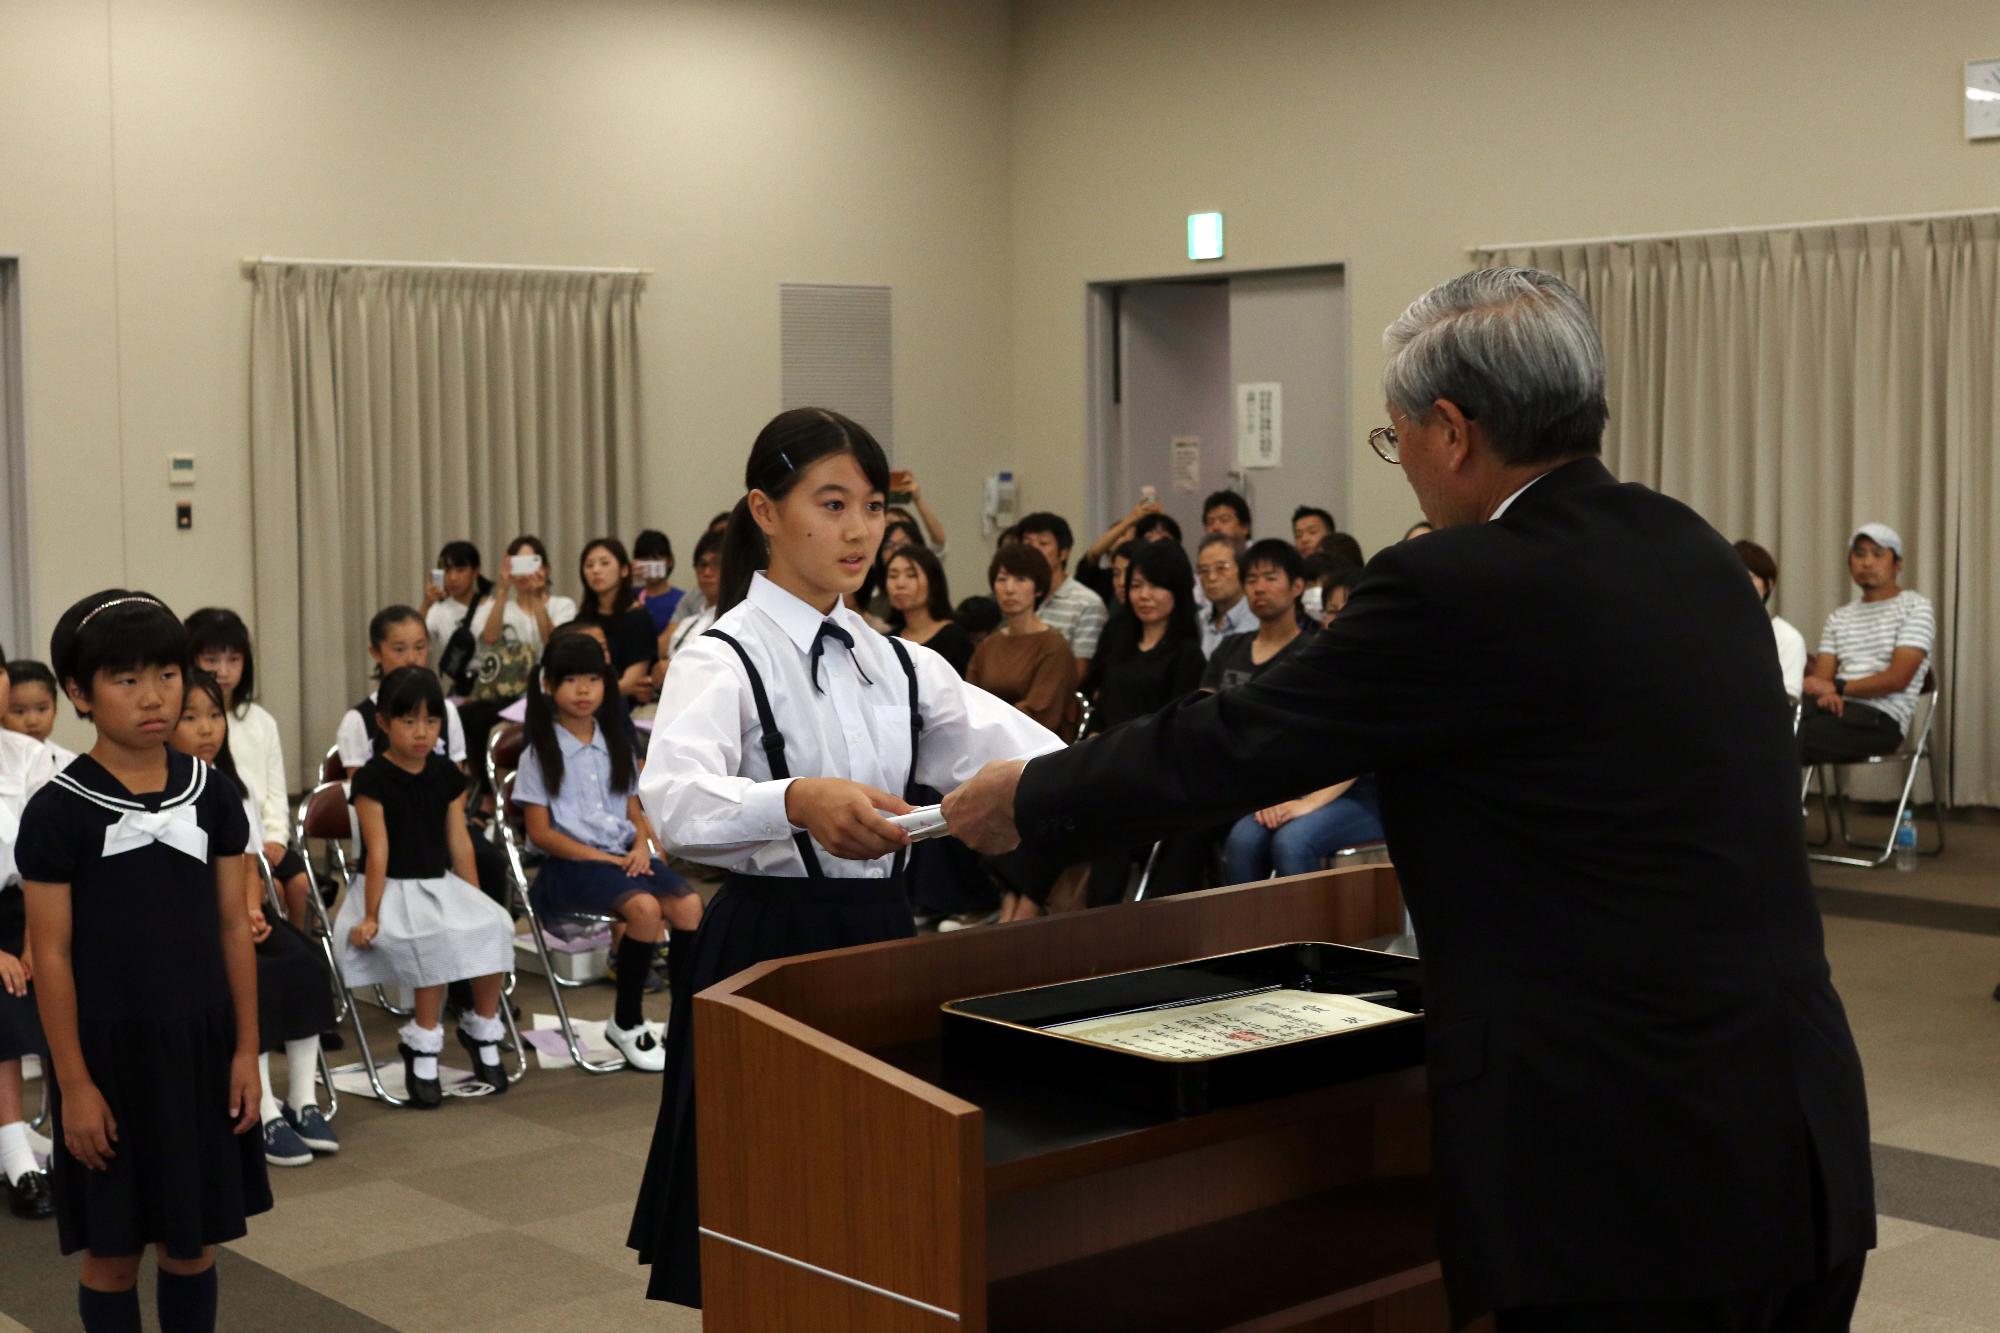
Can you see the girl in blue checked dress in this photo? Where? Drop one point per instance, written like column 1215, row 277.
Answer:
column 132, row 859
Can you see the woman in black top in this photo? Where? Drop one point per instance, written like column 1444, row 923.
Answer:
column 920, row 605
column 1150, row 655
column 609, row 600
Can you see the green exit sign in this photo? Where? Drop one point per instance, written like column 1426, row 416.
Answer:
column 1204, row 236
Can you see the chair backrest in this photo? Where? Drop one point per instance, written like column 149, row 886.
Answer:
column 326, row 814
column 508, row 741
column 332, row 768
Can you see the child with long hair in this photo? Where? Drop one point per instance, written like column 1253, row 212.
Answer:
column 25, row 765
column 145, row 977
column 783, row 734
column 220, row 642
column 578, row 788
column 294, row 989
column 414, row 917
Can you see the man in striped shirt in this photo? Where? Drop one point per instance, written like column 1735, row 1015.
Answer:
column 1864, row 684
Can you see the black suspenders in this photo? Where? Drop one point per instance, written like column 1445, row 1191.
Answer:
column 774, row 740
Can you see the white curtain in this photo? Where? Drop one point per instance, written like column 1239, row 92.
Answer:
column 1793, row 384
column 395, row 409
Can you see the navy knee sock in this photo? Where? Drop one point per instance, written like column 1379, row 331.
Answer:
column 108, row 1311
column 635, row 964
column 187, row 1301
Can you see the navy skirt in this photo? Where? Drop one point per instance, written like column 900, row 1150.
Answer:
column 596, row 888
column 294, row 988
column 751, row 920
column 20, row 1027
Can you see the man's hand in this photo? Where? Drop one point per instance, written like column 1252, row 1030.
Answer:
column 1835, row 704
column 846, row 817
column 980, row 813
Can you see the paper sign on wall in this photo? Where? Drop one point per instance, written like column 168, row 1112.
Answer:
column 1260, row 430
column 1185, row 467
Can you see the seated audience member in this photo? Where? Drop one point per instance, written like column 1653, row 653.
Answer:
column 25, row 766
column 1025, row 662
column 1420, row 528
column 447, row 599
column 577, row 788
column 1343, row 549
column 920, row 602
column 1294, row 837
column 653, row 566
column 1335, row 586
column 695, row 603
column 1121, row 567
column 1069, row 608
column 1872, row 657
column 1310, row 527
column 979, row 617
column 872, row 600
column 607, row 598
column 1144, row 523
column 707, row 587
column 1273, row 582
column 527, row 612
column 1791, row 644
column 903, row 481
column 1224, row 611
column 1157, row 528
column 31, row 707
column 1149, row 657
column 1226, row 514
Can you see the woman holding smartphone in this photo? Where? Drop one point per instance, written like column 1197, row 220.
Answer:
column 525, row 605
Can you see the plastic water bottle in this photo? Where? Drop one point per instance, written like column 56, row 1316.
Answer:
column 1906, row 841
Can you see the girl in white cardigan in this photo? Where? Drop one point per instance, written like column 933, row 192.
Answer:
column 221, row 645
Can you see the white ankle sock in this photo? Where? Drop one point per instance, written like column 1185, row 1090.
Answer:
column 426, row 1042
column 487, row 1032
column 16, row 1158
column 267, row 1105
column 301, row 1070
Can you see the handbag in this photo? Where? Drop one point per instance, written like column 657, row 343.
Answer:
column 458, row 663
column 502, row 671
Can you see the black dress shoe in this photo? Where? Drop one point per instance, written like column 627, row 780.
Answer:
column 494, row 1075
column 30, row 1197
column 425, row 1093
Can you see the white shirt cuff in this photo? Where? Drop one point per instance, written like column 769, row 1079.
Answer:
column 764, row 809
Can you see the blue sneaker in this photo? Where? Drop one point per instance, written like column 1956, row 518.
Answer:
column 312, row 1128
column 283, row 1146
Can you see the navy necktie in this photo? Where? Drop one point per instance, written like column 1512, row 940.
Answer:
column 829, row 630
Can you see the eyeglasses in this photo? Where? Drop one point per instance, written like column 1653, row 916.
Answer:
column 1383, row 441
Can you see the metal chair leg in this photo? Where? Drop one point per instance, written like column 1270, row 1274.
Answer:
column 1937, row 804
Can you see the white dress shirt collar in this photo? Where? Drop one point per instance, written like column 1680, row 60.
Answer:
column 1507, row 503
column 799, row 619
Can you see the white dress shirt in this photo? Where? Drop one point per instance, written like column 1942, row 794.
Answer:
column 1238, row 619
column 25, row 764
column 516, row 625
column 260, row 762
column 1791, row 655
column 707, row 784
column 1508, row 503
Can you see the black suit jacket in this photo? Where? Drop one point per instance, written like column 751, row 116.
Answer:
column 1643, row 1085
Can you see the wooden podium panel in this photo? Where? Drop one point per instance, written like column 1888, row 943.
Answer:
column 848, row 1184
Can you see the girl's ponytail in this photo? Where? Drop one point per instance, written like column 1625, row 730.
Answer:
column 540, row 724
column 744, row 552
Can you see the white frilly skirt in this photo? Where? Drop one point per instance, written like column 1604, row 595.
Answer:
column 431, row 931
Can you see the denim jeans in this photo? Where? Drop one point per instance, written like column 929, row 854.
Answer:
column 1299, row 845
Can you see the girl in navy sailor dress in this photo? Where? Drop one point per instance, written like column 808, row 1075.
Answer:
column 132, row 861
column 783, row 736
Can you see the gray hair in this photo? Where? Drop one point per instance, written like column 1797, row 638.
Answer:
column 1514, row 349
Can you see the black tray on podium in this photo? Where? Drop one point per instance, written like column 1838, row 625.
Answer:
column 1010, row 1033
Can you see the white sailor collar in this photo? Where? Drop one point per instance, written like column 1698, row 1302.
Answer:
column 799, row 619
column 170, row 817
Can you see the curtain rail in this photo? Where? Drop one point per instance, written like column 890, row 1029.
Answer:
column 251, row 263
column 1735, row 231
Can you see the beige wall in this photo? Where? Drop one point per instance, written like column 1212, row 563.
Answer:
column 728, row 146
column 1391, row 136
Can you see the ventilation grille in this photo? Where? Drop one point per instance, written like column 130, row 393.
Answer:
column 835, row 353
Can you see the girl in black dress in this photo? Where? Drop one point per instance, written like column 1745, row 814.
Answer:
column 294, row 988
column 132, row 859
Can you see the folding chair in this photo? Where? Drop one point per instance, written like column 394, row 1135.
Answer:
column 324, row 814
column 1083, row 717
column 503, row 758
column 274, row 904
column 1914, row 753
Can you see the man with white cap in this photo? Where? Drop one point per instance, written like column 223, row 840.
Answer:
column 1864, row 684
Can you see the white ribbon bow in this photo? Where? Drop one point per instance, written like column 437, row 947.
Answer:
column 179, row 828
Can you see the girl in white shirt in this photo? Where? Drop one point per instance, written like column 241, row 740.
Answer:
column 31, row 707
column 25, row 765
column 220, row 642
column 782, row 737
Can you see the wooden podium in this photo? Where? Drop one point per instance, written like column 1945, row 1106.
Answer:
column 843, row 1189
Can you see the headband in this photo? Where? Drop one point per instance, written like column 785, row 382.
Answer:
column 118, row 601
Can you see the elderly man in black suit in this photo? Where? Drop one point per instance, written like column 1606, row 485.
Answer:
column 1647, row 1108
